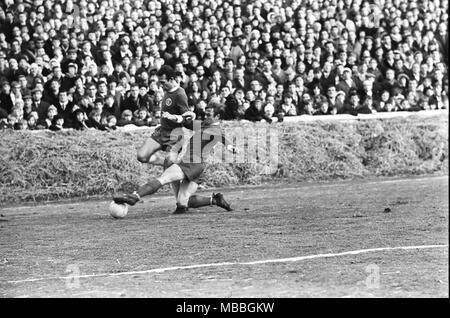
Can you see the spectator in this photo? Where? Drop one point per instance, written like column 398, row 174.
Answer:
column 46, row 121
column 199, row 109
column 322, row 108
column 269, row 111
column 57, row 123
column 224, row 93
column 334, row 104
column 51, row 93
column 389, row 82
column 102, row 89
column 109, row 106
column 132, row 102
column 288, row 108
column 144, row 98
column 18, row 110
column 94, row 120
column 23, row 85
column 307, row 107
column 32, row 123
column 367, row 90
column 118, row 97
column 346, row 83
column 21, row 125
column 367, row 106
column 65, row 108
column 403, row 105
column 79, row 122
column 439, row 100
column 317, row 97
column 111, row 122
column 28, row 105
column 10, row 122
column 341, row 99
column 126, row 118
column 256, row 112
column 142, row 117
column 353, row 105
column 6, row 103
column 381, row 104
column 240, row 81
column 193, row 94
column 16, row 93
column 232, row 107
column 68, row 81
column 341, row 44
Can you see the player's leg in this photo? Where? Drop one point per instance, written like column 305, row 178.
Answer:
column 176, row 188
column 188, row 198
column 164, row 158
column 158, row 158
column 197, row 201
column 193, row 171
column 187, row 188
column 171, row 174
column 146, row 151
column 171, row 157
column 171, row 142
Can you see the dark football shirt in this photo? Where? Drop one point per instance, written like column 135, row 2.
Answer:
column 175, row 103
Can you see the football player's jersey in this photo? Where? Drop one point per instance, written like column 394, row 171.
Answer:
column 206, row 136
column 175, row 103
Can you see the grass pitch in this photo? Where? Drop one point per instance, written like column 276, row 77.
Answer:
column 78, row 250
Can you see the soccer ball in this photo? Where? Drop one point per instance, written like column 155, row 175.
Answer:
column 118, row 211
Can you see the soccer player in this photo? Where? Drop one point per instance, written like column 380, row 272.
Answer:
column 175, row 103
column 189, row 168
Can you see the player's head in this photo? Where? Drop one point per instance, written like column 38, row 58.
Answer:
column 167, row 77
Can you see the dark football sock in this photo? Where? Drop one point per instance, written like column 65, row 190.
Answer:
column 149, row 188
column 197, row 201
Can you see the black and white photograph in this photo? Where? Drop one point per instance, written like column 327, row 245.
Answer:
column 209, row 152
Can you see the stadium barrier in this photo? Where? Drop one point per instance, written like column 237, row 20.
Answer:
column 49, row 166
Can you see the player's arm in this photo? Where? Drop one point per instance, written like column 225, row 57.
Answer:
column 183, row 109
column 188, row 120
column 185, row 119
column 172, row 117
column 182, row 102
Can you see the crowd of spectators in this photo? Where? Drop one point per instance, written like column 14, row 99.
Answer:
column 92, row 64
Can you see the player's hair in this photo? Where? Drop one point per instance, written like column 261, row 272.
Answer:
column 166, row 70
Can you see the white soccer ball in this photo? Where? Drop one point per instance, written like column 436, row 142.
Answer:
column 118, row 211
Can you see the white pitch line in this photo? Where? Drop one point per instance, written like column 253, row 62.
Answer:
column 279, row 260
column 242, row 188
